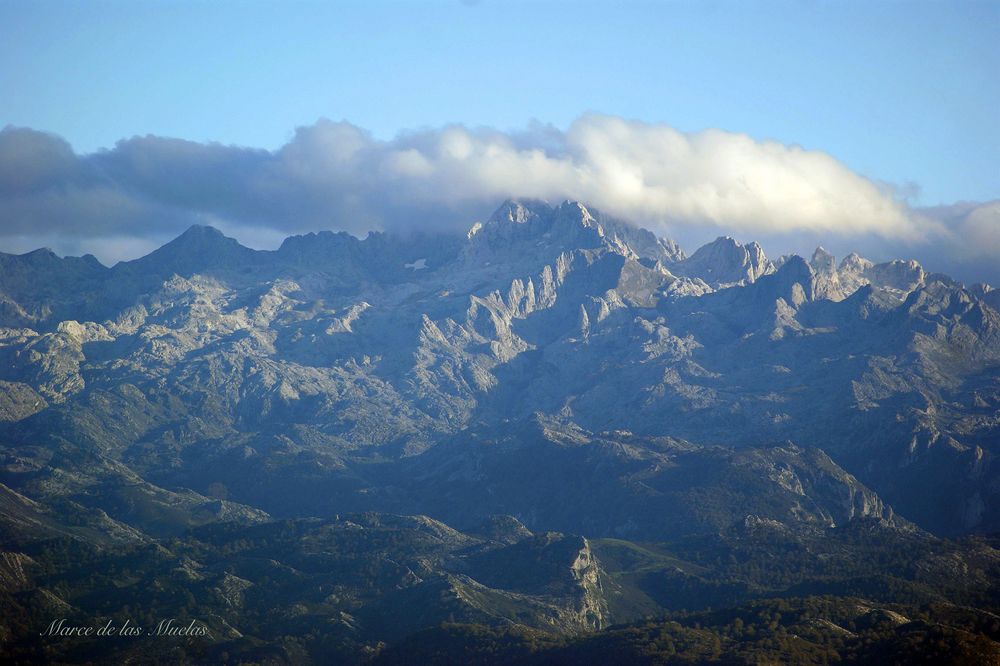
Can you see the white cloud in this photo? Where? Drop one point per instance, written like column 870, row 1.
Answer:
column 334, row 175
column 981, row 231
column 650, row 173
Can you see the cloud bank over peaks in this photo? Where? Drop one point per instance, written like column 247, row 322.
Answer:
column 335, row 175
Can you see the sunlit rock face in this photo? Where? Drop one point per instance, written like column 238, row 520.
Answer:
column 281, row 376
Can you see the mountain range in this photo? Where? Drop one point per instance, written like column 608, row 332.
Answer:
column 556, row 423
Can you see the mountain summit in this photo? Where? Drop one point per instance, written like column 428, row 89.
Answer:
column 725, row 262
column 391, row 346
column 558, row 421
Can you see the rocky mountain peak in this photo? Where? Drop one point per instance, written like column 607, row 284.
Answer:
column 823, row 262
column 519, row 211
column 576, row 211
column 724, row 262
column 902, row 275
column 827, row 281
column 855, row 263
column 199, row 239
column 201, row 233
column 200, row 248
column 91, row 260
column 318, row 246
column 535, row 227
column 525, row 235
column 794, row 282
column 795, row 267
column 40, row 254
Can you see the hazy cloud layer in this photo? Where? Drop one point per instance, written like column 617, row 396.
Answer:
column 336, row 176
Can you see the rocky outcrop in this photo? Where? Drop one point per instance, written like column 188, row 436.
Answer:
column 725, row 262
column 277, row 374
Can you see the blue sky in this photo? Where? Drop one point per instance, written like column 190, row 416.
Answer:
column 792, row 123
column 902, row 92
